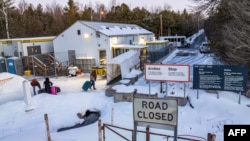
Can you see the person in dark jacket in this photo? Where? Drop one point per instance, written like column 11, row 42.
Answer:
column 92, row 79
column 47, row 84
column 34, row 83
column 90, row 116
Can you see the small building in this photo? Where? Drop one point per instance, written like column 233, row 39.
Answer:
column 97, row 42
column 20, row 47
column 157, row 49
column 177, row 41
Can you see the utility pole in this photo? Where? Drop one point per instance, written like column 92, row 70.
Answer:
column 5, row 13
column 161, row 24
column 198, row 21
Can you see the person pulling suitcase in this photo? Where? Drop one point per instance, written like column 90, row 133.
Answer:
column 92, row 80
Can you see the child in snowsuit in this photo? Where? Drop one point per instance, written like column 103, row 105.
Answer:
column 47, row 84
column 34, row 83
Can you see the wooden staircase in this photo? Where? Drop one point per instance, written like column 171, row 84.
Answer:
column 44, row 64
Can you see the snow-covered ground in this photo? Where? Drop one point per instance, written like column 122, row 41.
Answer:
column 209, row 114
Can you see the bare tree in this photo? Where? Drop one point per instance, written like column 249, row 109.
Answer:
column 206, row 6
column 5, row 5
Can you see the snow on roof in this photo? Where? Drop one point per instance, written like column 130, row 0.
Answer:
column 126, row 61
column 14, row 58
column 112, row 29
column 157, row 42
column 129, row 89
column 123, row 57
column 29, row 38
column 129, row 46
column 133, row 73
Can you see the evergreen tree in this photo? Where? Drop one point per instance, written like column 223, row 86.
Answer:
column 71, row 13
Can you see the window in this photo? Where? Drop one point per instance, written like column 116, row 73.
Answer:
column 78, row 32
column 103, row 58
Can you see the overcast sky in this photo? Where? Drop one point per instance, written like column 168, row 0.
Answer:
column 149, row 4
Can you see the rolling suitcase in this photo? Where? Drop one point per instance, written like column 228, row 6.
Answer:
column 53, row 90
column 86, row 85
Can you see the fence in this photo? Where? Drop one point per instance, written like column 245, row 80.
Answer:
column 103, row 127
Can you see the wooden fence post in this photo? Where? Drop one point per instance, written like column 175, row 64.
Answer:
column 47, row 126
column 211, row 137
column 112, row 116
column 147, row 134
column 99, row 130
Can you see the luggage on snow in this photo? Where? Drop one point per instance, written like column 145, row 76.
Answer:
column 86, row 85
column 54, row 90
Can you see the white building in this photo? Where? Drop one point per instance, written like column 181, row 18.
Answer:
column 97, row 42
column 20, row 47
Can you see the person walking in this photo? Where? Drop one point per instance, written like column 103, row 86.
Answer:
column 47, row 84
column 34, row 83
column 92, row 79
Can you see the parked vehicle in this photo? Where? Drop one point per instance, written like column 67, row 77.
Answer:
column 178, row 41
column 205, row 47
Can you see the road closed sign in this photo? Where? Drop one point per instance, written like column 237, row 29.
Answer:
column 163, row 72
column 156, row 111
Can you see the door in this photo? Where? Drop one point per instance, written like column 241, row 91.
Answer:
column 72, row 56
column 103, row 57
column 3, row 66
column 11, row 66
column 33, row 50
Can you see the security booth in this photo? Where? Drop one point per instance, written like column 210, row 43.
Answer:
column 158, row 49
column 122, row 48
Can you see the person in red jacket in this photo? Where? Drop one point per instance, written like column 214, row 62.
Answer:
column 34, row 83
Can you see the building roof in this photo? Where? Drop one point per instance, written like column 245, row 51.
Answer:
column 114, row 29
column 128, row 46
column 29, row 39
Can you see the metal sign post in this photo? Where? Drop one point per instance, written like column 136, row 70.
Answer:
column 135, row 131
column 149, row 88
column 239, row 97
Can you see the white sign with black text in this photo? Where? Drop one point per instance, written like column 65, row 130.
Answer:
column 158, row 111
column 163, row 72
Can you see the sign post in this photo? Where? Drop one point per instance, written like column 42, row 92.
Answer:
column 160, row 113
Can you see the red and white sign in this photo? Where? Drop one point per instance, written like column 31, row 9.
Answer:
column 163, row 72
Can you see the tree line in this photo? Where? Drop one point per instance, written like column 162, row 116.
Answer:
column 228, row 30
column 27, row 20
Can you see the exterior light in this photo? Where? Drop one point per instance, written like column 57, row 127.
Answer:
column 86, row 35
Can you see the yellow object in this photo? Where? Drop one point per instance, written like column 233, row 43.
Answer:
column 99, row 70
column 27, row 72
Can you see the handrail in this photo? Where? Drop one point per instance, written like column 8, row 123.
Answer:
column 35, row 61
column 56, row 63
column 44, row 67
